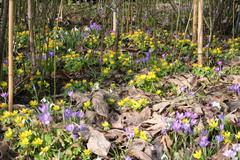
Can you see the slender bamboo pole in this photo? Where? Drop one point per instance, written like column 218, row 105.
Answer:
column 195, row 19
column 10, row 54
column 30, row 27
column 200, row 32
column 114, row 16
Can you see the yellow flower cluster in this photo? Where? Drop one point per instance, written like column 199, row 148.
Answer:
column 198, row 154
column 141, row 134
column 217, row 51
column 87, row 105
column 134, row 104
column 212, row 123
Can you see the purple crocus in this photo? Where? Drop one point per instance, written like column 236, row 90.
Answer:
column 236, row 147
column 180, row 116
column 127, row 158
column 80, row 114
column 51, row 53
column 4, row 95
column 70, row 93
column 183, row 89
column 130, row 134
column 219, row 138
column 217, row 69
column 45, row 118
column 219, row 63
column 67, row 113
column 163, row 55
column 203, row 142
column 43, row 108
column 5, row 62
column 145, row 59
column 229, row 153
column 70, row 128
column 176, row 126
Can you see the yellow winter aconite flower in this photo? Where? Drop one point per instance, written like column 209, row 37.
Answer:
column 87, row 105
column 56, row 107
column 197, row 154
column 4, row 84
column 61, row 102
column 158, row 92
column 20, row 71
column 38, row 73
column 68, row 85
column 87, row 152
column 3, row 105
column 135, row 131
column 25, row 134
column 37, row 141
column 212, row 123
column 105, row 124
column 44, row 149
column 226, row 134
column 24, row 141
column 6, row 114
column 9, row 133
column 143, row 136
column 33, row 103
column 237, row 136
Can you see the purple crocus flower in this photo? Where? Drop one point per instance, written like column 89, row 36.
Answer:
column 130, row 134
column 229, row 153
column 219, row 63
column 219, row 138
column 203, row 142
column 45, row 118
column 5, row 62
column 188, row 114
column 51, row 53
column 43, row 108
column 44, row 57
column 183, row 89
column 176, row 126
column 193, row 122
column 70, row 93
column 180, row 116
column 236, row 147
column 145, row 59
column 186, row 127
column 217, row 69
column 80, row 114
column 194, row 116
column 138, row 61
column 70, row 127
column 67, row 113
column 221, row 126
column 221, row 117
column 4, row 94
column 127, row 158
column 75, row 136
column 163, row 55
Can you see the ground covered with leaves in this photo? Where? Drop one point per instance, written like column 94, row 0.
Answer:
column 148, row 100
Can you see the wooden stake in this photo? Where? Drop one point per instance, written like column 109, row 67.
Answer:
column 114, row 16
column 30, row 27
column 195, row 21
column 10, row 54
column 200, row 32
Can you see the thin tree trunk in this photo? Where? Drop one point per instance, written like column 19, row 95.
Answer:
column 10, row 54
column 2, row 34
column 200, row 32
column 30, row 27
column 114, row 16
column 195, row 19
